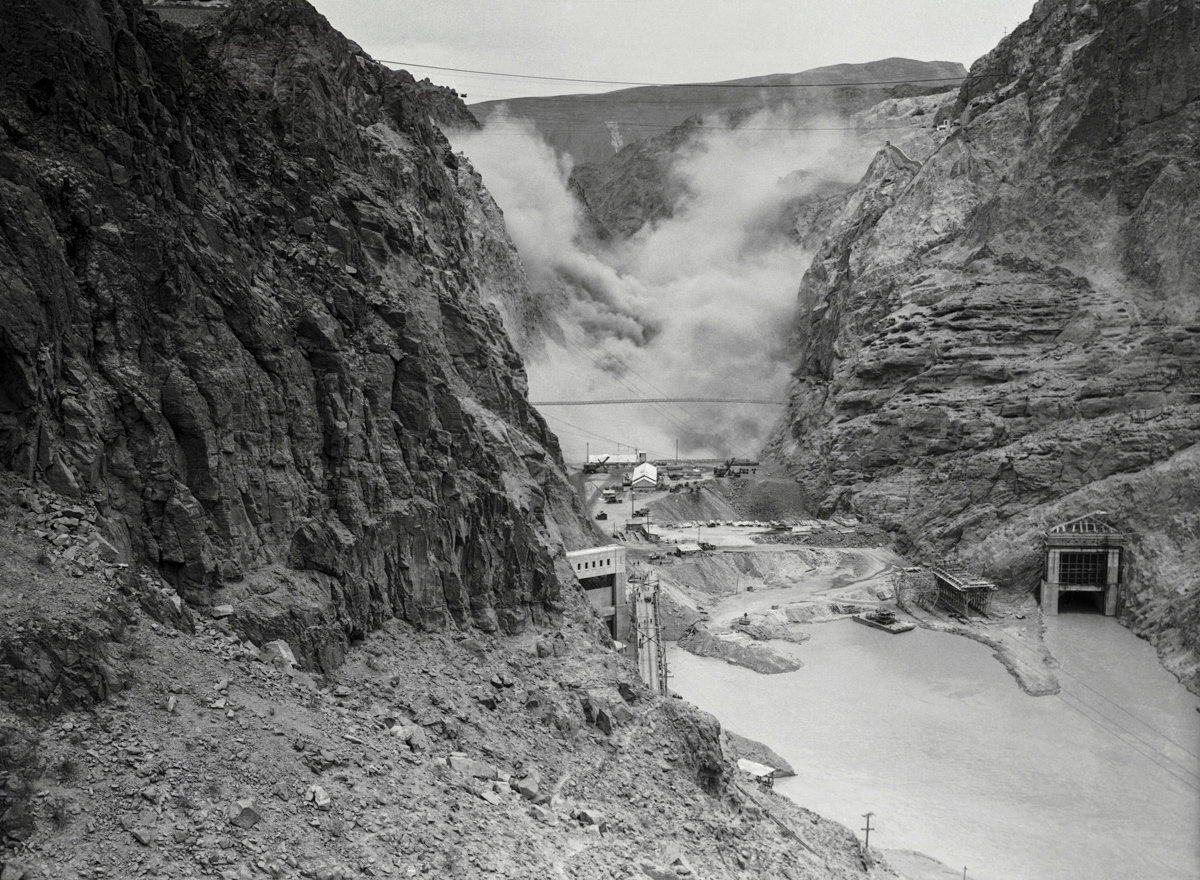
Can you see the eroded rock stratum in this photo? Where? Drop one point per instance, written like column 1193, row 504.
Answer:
column 244, row 286
column 1006, row 335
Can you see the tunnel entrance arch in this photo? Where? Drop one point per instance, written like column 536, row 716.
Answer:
column 1083, row 556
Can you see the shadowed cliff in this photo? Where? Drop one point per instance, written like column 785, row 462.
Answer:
column 244, row 283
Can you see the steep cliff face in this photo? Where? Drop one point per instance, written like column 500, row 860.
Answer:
column 1007, row 335
column 243, row 281
column 641, row 184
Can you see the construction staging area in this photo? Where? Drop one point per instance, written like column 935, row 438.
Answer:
column 741, row 561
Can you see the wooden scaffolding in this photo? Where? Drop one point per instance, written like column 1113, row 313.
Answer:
column 947, row 585
column 960, row 591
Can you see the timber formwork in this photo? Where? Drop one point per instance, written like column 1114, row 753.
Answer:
column 961, row 591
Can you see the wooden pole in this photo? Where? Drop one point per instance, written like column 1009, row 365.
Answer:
column 867, row 841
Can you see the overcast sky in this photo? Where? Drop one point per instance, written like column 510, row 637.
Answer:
column 660, row 40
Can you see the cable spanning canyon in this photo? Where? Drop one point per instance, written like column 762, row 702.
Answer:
column 752, row 400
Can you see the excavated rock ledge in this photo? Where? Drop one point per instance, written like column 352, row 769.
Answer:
column 753, row 750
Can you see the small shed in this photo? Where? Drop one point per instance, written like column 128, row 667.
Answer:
column 687, row 549
column 1083, row 555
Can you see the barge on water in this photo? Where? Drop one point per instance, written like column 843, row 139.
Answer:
column 884, row 620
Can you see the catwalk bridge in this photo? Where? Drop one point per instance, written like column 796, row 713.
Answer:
column 659, row 400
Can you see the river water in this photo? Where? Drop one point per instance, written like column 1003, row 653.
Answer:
column 931, row 734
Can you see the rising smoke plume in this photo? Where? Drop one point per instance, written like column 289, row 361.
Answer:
column 698, row 305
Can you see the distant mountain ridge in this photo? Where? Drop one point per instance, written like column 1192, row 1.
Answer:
column 592, row 128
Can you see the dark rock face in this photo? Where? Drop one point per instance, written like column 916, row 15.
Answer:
column 1007, row 335
column 241, row 310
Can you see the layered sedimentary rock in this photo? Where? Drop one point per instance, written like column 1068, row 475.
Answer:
column 243, row 299
column 1006, row 335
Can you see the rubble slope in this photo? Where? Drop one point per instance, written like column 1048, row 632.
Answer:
column 425, row 754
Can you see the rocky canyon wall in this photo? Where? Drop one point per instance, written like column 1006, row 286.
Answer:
column 1006, row 335
column 243, row 295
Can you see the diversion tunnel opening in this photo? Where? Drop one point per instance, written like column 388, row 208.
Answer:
column 1077, row 602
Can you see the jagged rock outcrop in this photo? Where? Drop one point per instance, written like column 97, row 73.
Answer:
column 636, row 186
column 642, row 183
column 242, row 315
column 1008, row 334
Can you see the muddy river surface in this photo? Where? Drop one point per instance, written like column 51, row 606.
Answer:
column 931, row 734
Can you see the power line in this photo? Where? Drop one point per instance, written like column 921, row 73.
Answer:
column 657, row 400
column 1155, row 730
column 666, row 126
column 629, row 369
column 1190, row 783
column 657, row 452
column 1110, row 719
column 721, row 85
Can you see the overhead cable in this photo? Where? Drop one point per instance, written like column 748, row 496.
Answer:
column 722, row 85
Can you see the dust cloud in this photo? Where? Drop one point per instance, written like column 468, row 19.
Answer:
column 697, row 305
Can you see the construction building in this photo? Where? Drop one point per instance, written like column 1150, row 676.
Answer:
column 1083, row 555
column 645, row 476
column 601, row 573
column 961, row 591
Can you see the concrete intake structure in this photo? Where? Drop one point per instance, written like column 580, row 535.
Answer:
column 1083, row 555
column 601, row 573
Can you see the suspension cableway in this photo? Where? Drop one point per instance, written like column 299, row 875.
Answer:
column 615, row 401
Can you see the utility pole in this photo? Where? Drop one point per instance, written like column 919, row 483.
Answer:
column 867, row 842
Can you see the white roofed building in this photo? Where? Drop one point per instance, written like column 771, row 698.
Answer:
column 645, row 476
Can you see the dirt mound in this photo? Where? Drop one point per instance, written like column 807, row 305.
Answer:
column 703, row 502
column 735, row 498
column 764, row 498
column 674, row 617
column 758, row 658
